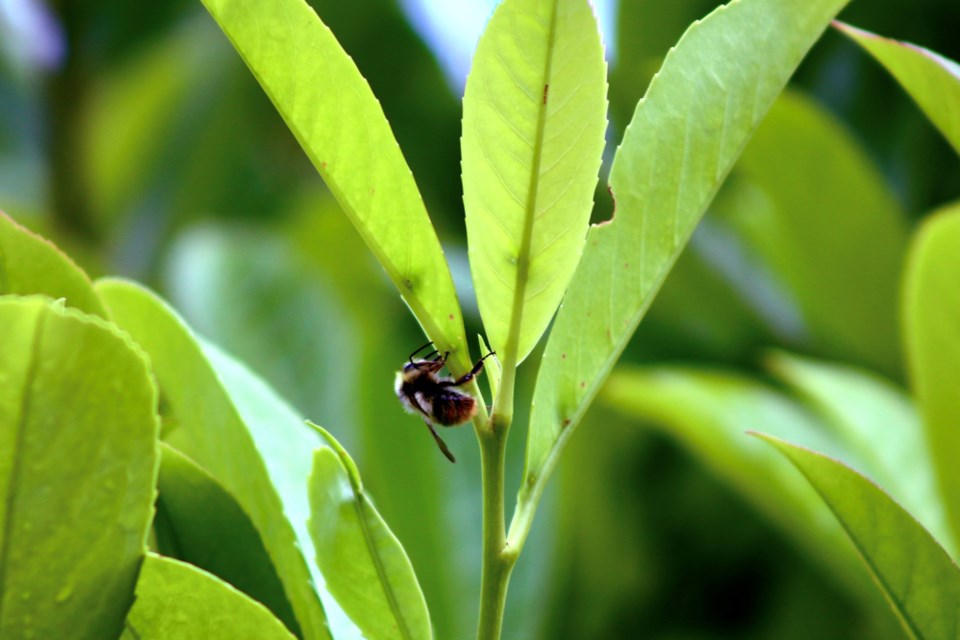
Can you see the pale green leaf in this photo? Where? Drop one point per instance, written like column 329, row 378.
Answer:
column 878, row 422
column 534, row 115
column 812, row 176
column 700, row 110
column 228, row 432
column 708, row 413
column 78, row 465
column 331, row 110
column 30, row 264
column 931, row 320
column 199, row 522
column 176, row 600
column 931, row 80
column 917, row 577
column 367, row 570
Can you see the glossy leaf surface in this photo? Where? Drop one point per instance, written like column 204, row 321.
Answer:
column 78, row 464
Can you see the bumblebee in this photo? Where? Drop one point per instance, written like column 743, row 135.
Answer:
column 435, row 398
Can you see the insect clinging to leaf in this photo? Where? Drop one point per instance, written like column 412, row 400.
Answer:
column 436, row 398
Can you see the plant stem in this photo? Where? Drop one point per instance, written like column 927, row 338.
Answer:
column 498, row 560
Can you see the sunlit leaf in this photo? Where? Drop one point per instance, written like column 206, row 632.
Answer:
column 178, row 600
column 931, row 80
column 366, row 567
column 78, row 464
column 915, row 574
column 700, row 110
column 340, row 125
column 233, row 433
column 931, row 319
column 534, row 115
column 199, row 522
column 29, row 264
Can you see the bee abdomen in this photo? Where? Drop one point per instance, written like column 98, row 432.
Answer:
column 453, row 408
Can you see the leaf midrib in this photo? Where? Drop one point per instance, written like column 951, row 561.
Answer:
column 526, row 237
column 359, row 504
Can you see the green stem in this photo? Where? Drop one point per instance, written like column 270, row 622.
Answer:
column 498, row 559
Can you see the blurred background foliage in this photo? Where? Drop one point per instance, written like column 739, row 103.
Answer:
column 133, row 136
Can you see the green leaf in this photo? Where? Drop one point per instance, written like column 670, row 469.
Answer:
column 367, row 570
column 877, row 422
column 533, row 132
column 828, row 228
column 931, row 317
column 917, row 577
column 331, row 110
column 700, row 110
column 78, row 464
column 931, row 80
column 29, row 264
column 413, row 490
column 201, row 523
column 242, row 435
column 708, row 413
column 178, row 600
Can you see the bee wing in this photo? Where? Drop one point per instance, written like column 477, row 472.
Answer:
column 440, row 442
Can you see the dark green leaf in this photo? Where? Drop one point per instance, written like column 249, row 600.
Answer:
column 204, row 525
column 915, row 574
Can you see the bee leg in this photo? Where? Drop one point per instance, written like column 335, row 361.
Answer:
column 419, row 350
column 416, row 403
column 467, row 377
column 440, row 442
